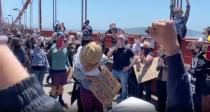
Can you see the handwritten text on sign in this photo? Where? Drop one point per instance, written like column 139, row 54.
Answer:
column 145, row 72
column 106, row 89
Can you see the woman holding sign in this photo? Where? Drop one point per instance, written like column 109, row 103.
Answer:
column 86, row 65
column 146, row 57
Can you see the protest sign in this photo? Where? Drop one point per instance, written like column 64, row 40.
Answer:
column 146, row 72
column 105, row 89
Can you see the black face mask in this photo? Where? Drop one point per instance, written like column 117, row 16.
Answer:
column 114, row 29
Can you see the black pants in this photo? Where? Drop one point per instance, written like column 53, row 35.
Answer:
column 197, row 100
column 147, row 87
column 76, row 96
column 132, row 84
column 162, row 95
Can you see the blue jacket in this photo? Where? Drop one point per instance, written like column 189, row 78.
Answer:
column 178, row 86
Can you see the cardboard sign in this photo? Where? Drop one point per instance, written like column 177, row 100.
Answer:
column 105, row 89
column 146, row 72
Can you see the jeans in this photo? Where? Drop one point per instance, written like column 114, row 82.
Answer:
column 123, row 77
column 39, row 74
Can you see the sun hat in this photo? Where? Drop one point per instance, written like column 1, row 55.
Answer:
column 91, row 54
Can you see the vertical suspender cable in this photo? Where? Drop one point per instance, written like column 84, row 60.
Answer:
column 174, row 3
column 31, row 14
column 86, row 10
column 40, row 14
column 181, row 4
column 82, row 13
column 53, row 13
column 171, row 9
column 56, row 10
column 1, row 15
column 177, row 3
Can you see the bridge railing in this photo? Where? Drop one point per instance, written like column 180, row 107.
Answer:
column 108, row 42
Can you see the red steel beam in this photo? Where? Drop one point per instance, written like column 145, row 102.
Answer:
column 22, row 11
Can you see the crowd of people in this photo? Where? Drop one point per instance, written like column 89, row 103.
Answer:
column 62, row 54
column 25, row 59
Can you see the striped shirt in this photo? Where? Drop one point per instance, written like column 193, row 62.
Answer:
column 180, row 22
column 39, row 58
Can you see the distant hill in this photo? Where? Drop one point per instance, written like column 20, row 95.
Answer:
column 190, row 33
column 136, row 30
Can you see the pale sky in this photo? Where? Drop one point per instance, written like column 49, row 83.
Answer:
column 125, row 13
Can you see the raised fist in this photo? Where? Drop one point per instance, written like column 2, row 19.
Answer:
column 163, row 31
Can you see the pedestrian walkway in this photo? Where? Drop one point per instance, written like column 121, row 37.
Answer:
column 66, row 96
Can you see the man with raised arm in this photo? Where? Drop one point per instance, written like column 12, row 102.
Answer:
column 180, row 18
column 178, row 87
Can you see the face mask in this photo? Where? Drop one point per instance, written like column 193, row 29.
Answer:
column 204, row 36
column 114, row 29
column 59, row 42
